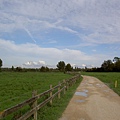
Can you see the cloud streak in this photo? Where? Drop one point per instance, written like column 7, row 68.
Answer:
column 30, row 34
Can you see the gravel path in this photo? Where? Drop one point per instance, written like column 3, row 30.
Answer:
column 93, row 100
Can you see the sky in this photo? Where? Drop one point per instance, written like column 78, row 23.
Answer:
column 36, row 33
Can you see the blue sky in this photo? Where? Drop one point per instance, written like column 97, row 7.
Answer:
column 43, row 32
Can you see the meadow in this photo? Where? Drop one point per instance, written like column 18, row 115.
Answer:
column 108, row 78
column 16, row 87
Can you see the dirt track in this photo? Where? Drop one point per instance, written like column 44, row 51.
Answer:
column 93, row 100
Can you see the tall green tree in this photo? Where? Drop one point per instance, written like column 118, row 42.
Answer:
column 107, row 65
column 61, row 65
column 0, row 64
column 12, row 68
column 43, row 69
column 116, row 64
column 68, row 67
column 47, row 69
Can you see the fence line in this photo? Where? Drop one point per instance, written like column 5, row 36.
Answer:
column 33, row 101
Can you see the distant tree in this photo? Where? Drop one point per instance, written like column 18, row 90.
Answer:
column 61, row 65
column 107, row 65
column 77, row 69
column 116, row 64
column 116, row 59
column 68, row 67
column 18, row 69
column 43, row 69
column 47, row 69
column 12, row 68
column 0, row 64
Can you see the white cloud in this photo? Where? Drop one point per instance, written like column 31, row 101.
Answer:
column 31, row 52
column 32, row 64
column 41, row 62
column 83, row 65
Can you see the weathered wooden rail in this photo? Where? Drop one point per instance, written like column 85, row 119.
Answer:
column 34, row 100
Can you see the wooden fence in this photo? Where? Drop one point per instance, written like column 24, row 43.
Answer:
column 33, row 102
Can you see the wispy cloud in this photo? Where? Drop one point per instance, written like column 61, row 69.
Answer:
column 30, row 34
column 100, row 17
column 50, row 42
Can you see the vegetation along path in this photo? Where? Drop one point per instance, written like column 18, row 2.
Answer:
column 93, row 100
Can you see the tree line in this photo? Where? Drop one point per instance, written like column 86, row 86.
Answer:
column 61, row 66
column 107, row 66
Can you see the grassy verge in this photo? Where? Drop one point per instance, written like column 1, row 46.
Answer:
column 16, row 87
column 108, row 78
column 55, row 111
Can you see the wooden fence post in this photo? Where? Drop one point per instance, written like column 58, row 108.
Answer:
column 75, row 80
column 70, row 82
column 59, row 90
column 51, row 95
column 67, row 85
column 64, row 86
column 34, row 105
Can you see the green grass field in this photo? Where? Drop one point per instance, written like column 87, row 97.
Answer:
column 108, row 78
column 16, row 87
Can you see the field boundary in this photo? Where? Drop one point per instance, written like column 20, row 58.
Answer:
column 33, row 101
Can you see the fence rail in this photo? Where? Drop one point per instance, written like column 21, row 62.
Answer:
column 34, row 99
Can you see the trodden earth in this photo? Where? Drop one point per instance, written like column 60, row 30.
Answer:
column 93, row 100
